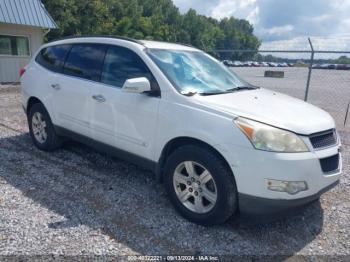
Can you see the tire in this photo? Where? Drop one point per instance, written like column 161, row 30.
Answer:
column 51, row 141
column 221, row 184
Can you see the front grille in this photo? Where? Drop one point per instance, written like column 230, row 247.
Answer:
column 324, row 139
column 330, row 164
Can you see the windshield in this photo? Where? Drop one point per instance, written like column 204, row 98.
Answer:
column 193, row 72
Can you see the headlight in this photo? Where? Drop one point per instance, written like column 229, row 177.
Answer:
column 268, row 138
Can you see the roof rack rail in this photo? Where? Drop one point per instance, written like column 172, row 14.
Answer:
column 107, row 36
column 177, row 43
column 185, row 44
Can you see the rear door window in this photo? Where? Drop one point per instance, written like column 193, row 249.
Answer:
column 53, row 57
column 85, row 61
column 121, row 64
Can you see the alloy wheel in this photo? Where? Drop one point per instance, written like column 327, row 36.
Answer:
column 195, row 187
column 39, row 127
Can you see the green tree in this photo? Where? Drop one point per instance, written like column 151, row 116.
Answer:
column 342, row 60
column 150, row 19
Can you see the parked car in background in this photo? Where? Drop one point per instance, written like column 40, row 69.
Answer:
column 255, row 64
column 248, row 63
column 264, row 64
column 317, row 66
column 342, row 67
column 237, row 63
column 284, row 64
column 325, row 66
column 227, row 62
column 220, row 145
column 272, row 64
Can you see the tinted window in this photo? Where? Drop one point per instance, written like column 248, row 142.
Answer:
column 121, row 64
column 85, row 60
column 53, row 57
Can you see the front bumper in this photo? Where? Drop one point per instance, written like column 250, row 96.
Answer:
column 253, row 168
column 254, row 208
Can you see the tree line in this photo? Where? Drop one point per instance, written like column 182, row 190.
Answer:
column 342, row 60
column 270, row 58
column 151, row 20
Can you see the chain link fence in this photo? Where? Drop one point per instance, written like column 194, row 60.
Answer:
column 310, row 73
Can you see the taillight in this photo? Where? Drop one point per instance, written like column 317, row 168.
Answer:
column 21, row 72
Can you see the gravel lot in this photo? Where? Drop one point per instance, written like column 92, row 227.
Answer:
column 76, row 201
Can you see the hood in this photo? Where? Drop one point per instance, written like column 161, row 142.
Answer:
column 272, row 108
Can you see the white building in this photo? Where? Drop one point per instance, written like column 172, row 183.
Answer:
column 23, row 24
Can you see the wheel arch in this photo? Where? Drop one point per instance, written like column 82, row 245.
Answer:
column 32, row 101
column 177, row 142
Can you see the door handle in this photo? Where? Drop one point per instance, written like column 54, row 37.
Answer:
column 99, row 98
column 56, row 86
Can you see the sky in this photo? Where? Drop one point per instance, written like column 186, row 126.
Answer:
column 285, row 23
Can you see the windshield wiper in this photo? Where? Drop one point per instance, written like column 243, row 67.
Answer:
column 203, row 93
column 190, row 93
column 231, row 90
column 239, row 88
column 212, row 93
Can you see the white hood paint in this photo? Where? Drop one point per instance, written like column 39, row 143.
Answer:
column 272, row 108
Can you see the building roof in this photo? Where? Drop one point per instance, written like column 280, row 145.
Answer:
column 25, row 12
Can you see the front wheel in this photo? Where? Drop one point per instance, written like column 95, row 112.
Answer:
column 200, row 185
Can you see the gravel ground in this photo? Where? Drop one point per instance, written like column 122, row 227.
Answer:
column 76, row 201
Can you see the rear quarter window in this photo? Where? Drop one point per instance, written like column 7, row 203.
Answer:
column 53, row 57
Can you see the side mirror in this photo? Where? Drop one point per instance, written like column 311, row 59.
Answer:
column 137, row 85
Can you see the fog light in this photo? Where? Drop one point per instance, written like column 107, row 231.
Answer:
column 290, row 187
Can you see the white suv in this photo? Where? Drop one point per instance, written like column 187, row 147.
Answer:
column 220, row 145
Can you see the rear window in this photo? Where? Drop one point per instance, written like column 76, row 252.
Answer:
column 85, row 61
column 53, row 57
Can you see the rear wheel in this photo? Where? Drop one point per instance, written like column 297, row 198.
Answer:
column 200, row 185
column 41, row 129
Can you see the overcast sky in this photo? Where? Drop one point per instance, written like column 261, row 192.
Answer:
column 284, row 22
